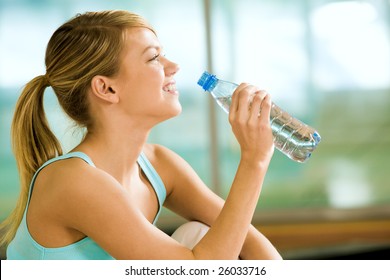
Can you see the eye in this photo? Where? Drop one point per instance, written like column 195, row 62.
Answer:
column 156, row 57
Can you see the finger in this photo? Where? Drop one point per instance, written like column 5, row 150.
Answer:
column 255, row 106
column 265, row 108
column 244, row 102
column 235, row 101
column 257, row 97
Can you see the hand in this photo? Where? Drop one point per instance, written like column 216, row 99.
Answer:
column 249, row 117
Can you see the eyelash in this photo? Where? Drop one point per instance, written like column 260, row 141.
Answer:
column 155, row 57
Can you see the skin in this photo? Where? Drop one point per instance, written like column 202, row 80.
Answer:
column 72, row 200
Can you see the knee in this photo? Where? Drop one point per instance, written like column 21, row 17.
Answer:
column 190, row 233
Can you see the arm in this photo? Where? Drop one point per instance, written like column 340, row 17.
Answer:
column 258, row 247
column 189, row 197
column 94, row 200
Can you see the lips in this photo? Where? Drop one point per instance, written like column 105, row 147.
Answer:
column 171, row 88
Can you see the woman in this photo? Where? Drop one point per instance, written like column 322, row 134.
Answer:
column 101, row 200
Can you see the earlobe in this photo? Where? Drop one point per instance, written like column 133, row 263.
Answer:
column 102, row 88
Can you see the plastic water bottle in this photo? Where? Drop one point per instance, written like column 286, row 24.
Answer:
column 291, row 136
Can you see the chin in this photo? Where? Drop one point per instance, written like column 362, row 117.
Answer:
column 173, row 112
column 177, row 110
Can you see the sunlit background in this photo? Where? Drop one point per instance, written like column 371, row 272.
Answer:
column 326, row 62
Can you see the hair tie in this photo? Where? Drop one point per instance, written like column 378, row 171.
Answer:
column 46, row 80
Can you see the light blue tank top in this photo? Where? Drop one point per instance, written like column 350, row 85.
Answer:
column 24, row 247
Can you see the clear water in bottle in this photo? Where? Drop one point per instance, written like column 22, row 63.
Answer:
column 291, row 136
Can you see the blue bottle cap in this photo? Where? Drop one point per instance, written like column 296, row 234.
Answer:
column 207, row 80
column 316, row 137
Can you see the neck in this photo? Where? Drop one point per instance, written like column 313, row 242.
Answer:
column 116, row 150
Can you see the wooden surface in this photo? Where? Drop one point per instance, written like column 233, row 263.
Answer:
column 325, row 236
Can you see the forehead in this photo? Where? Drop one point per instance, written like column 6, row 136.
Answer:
column 140, row 39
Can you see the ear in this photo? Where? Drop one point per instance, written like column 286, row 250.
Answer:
column 103, row 89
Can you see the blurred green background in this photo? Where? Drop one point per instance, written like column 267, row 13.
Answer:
column 326, row 62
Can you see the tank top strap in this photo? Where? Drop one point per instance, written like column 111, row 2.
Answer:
column 154, row 179
column 80, row 155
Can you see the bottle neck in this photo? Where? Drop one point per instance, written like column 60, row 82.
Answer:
column 221, row 88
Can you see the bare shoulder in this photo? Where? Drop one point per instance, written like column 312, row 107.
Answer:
column 171, row 167
column 72, row 173
column 73, row 188
column 63, row 176
column 163, row 158
column 158, row 153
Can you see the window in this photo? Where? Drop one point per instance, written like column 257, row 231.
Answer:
column 327, row 63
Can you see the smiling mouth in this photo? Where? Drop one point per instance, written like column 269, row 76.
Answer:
column 171, row 88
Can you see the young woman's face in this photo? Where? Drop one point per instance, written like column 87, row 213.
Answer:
column 145, row 81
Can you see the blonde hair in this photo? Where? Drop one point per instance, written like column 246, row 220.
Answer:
column 87, row 45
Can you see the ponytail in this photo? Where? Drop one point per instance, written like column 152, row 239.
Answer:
column 33, row 144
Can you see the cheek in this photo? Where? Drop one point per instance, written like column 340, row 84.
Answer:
column 156, row 80
column 146, row 82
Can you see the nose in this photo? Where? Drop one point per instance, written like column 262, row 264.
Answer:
column 170, row 67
